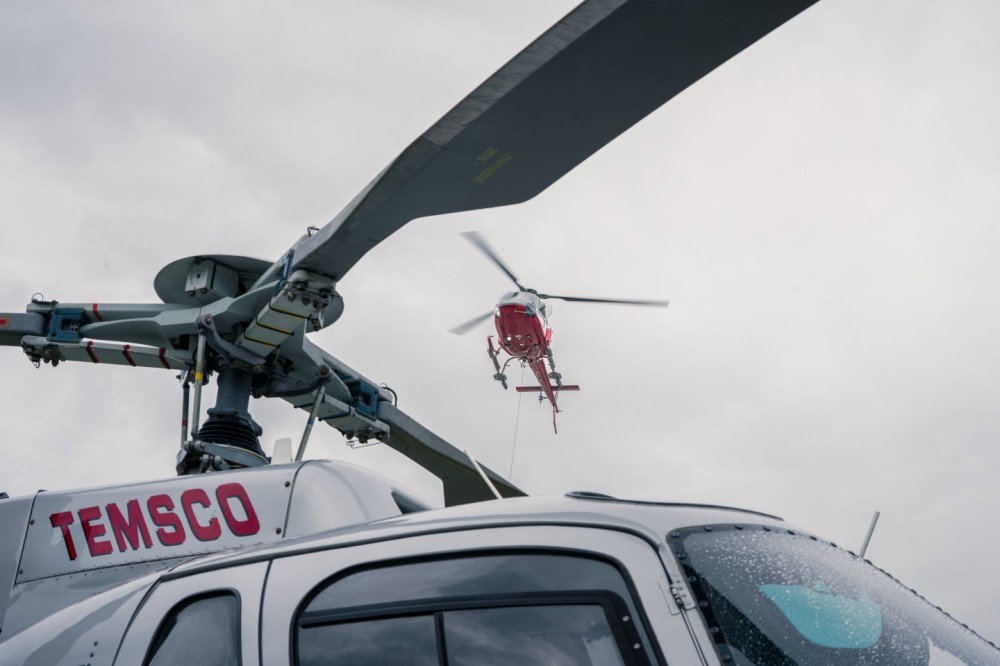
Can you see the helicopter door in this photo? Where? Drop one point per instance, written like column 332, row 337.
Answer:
column 526, row 595
column 209, row 619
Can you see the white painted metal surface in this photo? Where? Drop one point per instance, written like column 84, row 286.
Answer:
column 92, row 529
column 339, row 515
column 78, row 531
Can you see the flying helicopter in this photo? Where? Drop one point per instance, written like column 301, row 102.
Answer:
column 242, row 571
column 523, row 330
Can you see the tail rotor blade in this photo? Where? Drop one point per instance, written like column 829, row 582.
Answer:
column 491, row 254
column 619, row 301
column 462, row 329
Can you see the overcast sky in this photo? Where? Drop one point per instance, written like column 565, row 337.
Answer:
column 822, row 211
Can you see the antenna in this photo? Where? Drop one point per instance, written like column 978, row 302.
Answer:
column 868, row 537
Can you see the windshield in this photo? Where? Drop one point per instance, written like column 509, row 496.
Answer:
column 774, row 597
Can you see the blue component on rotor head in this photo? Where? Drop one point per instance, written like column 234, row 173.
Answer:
column 286, row 270
column 64, row 325
column 364, row 397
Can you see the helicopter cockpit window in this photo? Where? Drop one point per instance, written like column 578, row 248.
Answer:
column 203, row 630
column 772, row 597
column 522, row 609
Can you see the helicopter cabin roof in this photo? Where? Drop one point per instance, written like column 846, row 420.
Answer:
column 652, row 521
column 116, row 535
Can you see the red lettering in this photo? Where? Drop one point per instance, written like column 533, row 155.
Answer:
column 92, row 530
column 63, row 520
column 211, row 530
column 128, row 531
column 161, row 511
column 234, row 491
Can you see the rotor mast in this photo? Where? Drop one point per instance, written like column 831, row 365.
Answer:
column 230, row 436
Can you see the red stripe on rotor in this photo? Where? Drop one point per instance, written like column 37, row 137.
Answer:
column 90, row 351
column 163, row 358
column 128, row 357
column 97, row 315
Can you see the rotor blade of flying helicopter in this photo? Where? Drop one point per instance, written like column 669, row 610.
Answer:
column 464, row 328
column 620, row 301
column 491, row 254
column 597, row 72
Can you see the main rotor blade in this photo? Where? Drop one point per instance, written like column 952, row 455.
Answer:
column 460, row 479
column 597, row 72
column 462, row 329
column 619, row 301
column 16, row 325
column 491, row 254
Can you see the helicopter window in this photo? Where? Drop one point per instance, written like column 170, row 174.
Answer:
column 772, row 597
column 548, row 634
column 513, row 608
column 551, row 635
column 203, row 630
column 484, row 575
column 397, row 640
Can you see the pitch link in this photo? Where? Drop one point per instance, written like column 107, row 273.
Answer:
column 227, row 350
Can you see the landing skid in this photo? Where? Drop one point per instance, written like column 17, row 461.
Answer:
column 493, row 353
column 556, row 376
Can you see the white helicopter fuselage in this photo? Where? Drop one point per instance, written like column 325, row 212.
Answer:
column 321, row 562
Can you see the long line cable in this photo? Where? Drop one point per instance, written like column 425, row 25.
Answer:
column 517, row 420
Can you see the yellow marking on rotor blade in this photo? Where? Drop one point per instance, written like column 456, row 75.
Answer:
column 260, row 342
column 271, row 328
column 489, row 171
column 286, row 312
column 199, row 377
column 485, row 156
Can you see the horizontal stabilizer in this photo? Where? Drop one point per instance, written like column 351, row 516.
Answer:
column 537, row 389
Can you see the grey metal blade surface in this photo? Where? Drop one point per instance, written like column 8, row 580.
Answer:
column 107, row 353
column 16, row 325
column 461, row 481
column 597, row 72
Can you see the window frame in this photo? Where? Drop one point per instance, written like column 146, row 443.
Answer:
column 159, row 637
column 637, row 632
column 640, row 553
column 175, row 587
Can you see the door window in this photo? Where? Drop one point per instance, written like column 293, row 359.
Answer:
column 563, row 635
column 395, row 640
column 520, row 609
